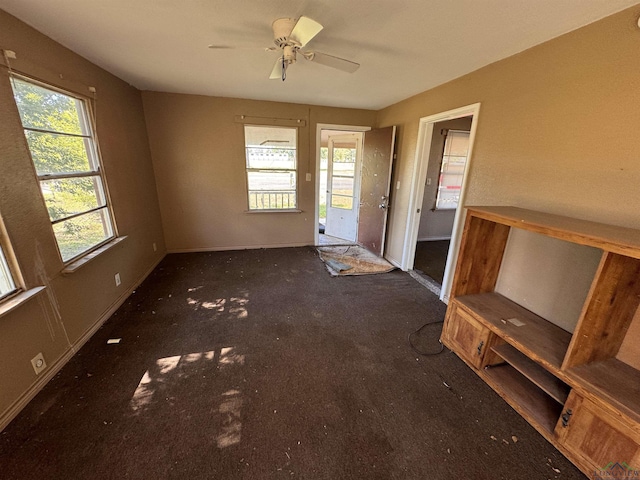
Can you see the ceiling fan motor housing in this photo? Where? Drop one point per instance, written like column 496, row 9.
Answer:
column 282, row 29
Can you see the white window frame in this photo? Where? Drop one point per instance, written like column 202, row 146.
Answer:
column 86, row 117
column 6, row 277
column 272, row 206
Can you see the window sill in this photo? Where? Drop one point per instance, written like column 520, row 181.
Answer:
column 76, row 264
column 10, row 304
column 275, row 210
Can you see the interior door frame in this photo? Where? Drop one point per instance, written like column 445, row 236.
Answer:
column 319, row 128
column 420, row 164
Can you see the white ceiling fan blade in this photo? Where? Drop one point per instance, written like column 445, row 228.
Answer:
column 304, row 30
column 276, row 73
column 214, row 46
column 331, row 61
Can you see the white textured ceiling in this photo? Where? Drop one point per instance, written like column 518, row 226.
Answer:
column 404, row 46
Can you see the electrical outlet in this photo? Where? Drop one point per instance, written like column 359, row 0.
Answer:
column 38, row 363
column 118, row 282
column 155, row 248
column 428, row 181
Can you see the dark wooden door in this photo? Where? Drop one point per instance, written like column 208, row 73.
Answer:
column 377, row 161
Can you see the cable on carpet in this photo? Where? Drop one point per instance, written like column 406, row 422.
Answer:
column 418, row 331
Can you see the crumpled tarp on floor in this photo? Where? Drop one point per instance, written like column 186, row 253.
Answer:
column 352, row 260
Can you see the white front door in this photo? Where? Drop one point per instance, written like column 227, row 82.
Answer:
column 343, row 185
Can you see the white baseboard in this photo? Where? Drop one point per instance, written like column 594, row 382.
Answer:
column 237, row 247
column 434, row 239
column 8, row 415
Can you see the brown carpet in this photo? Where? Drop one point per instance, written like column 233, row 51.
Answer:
column 431, row 258
column 259, row 365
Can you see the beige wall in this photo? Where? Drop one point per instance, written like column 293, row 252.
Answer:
column 557, row 129
column 198, row 156
column 71, row 305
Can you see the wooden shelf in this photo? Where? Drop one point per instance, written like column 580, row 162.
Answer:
column 552, row 386
column 614, row 381
column 625, row 241
column 527, row 399
column 538, row 338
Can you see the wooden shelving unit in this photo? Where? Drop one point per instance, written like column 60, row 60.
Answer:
column 571, row 386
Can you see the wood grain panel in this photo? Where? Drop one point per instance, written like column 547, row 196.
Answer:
column 622, row 240
column 481, row 251
column 609, row 309
column 596, row 438
column 614, row 382
column 538, row 338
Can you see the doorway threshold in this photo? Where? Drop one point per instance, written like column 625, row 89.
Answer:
column 328, row 240
column 427, row 282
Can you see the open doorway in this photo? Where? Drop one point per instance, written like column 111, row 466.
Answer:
column 354, row 166
column 339, row 191
column 429, row 128
column 323, row 132
column 448, row 154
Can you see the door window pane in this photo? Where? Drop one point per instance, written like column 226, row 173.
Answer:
column 342, row 185
column 338, row 201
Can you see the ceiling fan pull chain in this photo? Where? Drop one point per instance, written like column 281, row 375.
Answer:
column 284, row 69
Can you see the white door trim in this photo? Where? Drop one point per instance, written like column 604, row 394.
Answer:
column 420, row 164
column 319, row 128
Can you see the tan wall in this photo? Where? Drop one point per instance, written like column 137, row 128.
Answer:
column 198, row 156
column 557, row 129
column 72, row 304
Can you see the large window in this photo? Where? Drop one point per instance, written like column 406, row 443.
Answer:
column 64, row 151
column 271, row 167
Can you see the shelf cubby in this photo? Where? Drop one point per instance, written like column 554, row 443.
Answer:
column 525, row 397
column 543, row 379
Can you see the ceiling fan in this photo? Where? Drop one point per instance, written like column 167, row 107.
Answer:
column 290, row 35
